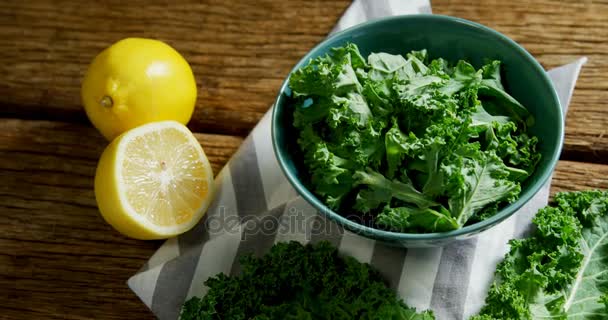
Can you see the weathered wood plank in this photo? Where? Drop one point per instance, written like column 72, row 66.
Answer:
column 241, row 51
column 576, row 176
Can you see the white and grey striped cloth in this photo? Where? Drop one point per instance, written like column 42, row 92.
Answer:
column 255, row 207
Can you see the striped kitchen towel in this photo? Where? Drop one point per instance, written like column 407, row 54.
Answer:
column 256, row 207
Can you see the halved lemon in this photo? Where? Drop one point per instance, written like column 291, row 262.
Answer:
column 154, row 181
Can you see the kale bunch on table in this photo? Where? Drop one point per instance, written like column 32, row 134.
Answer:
column 300, row 282
column 561, row 271
column 417, row 145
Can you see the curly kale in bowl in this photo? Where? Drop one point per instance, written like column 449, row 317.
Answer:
column 415, row 145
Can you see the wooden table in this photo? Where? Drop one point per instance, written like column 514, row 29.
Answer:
column 59, row 260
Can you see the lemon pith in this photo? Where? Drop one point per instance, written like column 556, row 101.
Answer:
column 154, row 181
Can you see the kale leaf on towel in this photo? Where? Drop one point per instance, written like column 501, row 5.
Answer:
column 561, row 271
column 295, row 281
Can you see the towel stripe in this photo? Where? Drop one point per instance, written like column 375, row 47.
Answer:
column 528, row 211
column 564, row 79
column 452, row 281
column 354, row 14
column 167, row 251
column 326, row 230
column 258, row 236
column 389, row 261
column 357, row 246
column 293, row 223
column 250, row 200
column 170, row 292
column 277, row 189
column 376, row 9
column 247, row 182
column 491, row 246
column 144, row 284
column 418, row 276
column 217, row 257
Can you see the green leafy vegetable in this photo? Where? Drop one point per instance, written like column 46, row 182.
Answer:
column 561, row 272
column 417, row 145
column 477, row 182
column 306, row 282
column 381, row 190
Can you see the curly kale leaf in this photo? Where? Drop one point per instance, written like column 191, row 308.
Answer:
column 491, row 87
column 388, row 66
column 560, row 272
column 378, row 190
column 410, row 218
column 328, row 75
column 477, row 181
column 401, row 132
column 300, row 282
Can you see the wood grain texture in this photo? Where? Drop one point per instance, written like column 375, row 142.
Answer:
column 576, row 176
column 241, row 51
column 58, row 258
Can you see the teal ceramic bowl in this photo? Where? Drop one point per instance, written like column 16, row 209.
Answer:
column 452, row 39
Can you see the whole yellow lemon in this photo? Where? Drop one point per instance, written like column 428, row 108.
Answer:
column 137, row 81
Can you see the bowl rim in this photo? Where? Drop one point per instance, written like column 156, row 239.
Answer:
column 392, row 236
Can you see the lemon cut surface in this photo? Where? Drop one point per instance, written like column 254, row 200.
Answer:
column 154, row 181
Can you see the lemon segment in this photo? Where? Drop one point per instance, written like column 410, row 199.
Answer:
column 154, row 181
